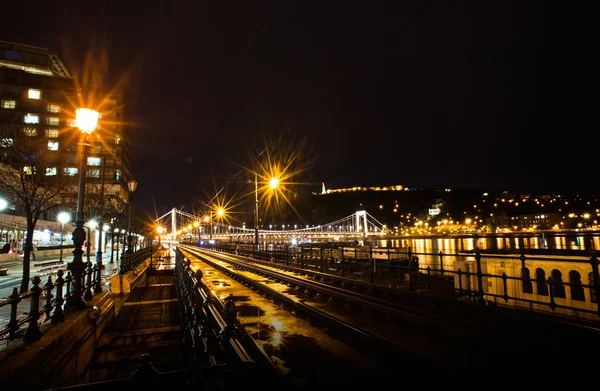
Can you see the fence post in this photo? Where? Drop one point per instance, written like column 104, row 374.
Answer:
column 88, row 295
column 13, row 325
column 343, row 264
column 372, row 277
column 33, row 333
column 58, row 316
column 49, row 286
column 595, row 275
column 441, row 254
column 479, row 276
column 321, row 259
column 550, row 283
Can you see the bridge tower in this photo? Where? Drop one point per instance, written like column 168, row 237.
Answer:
column 361, row 217
column 174, row 223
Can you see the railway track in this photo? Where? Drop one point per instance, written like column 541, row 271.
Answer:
column 388, row 333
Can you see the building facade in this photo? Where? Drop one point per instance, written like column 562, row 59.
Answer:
column 39, row 96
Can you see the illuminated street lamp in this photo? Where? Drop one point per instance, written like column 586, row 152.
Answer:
column 63, row 218
column 132, row 185
column 273, row 184
column 196, row 225
column 86, row 120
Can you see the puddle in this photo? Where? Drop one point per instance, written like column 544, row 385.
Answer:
column 249, row 310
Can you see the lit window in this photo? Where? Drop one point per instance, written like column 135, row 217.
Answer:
column 52, row 121
column 93, row 161
column 117, row 140
column 70, row 171
column 117, row 175
column 27, row 170
column 6, row 142
column 53, row 145
column 50, row 171
column 9, row 104
column 52, row 133
column 30, row 132
column 93, row 173
column 34, row 94
column 54, row 108
column 32, row 118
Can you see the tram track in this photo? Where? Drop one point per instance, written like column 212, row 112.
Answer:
column 377, row 328
column 306, row 344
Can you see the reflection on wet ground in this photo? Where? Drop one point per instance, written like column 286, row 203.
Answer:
column 305, row 353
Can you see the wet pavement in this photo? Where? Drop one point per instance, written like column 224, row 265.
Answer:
column 307, row 353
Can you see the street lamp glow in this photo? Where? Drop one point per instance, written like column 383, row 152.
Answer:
column 196, row 224
column 105, row 228
column 273, row 183
column 92, row 224
column 3, row 204
column 63, row 217
column 220, row 212
column 206, row 219
column 86, row 120
column 159, row 229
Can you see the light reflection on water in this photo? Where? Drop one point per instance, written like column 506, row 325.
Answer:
column 454, row 245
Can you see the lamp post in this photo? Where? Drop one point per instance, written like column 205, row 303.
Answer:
column 197, row 225
column 63, row 217
column 256, row 246
column 86, row 120
column 117, row 232
column 92, row 224
column 132, row 184
column 160, row 231
column 98, row 287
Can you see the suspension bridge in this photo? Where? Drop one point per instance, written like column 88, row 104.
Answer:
column 178, row 225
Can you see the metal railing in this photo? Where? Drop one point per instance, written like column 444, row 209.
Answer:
column 129, row 261
column 52, row 305
column 469, row 277
column 211, row 331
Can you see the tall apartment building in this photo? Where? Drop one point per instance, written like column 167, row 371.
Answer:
column 39, row 95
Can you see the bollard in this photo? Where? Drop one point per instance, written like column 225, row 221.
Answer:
column 58, row 316
column 33, row 333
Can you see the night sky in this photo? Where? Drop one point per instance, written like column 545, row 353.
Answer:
column 478, row 94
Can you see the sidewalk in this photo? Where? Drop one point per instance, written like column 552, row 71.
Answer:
column 15, row 271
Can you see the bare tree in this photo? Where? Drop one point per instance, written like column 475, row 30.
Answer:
column 110, row 203
column 32, row 178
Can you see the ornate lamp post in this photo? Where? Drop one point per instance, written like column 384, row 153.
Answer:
column 87, row 120
column 273, row 184
column 63, row 217
column 132, row 184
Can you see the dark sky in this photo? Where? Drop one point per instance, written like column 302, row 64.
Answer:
column 494, row 94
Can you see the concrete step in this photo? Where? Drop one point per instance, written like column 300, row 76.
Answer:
column 115, row 340
column 133, row 352
column 117, row 364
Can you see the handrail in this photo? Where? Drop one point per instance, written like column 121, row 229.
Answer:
column 199, row 307
column 53, row 308
column 470, row 281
